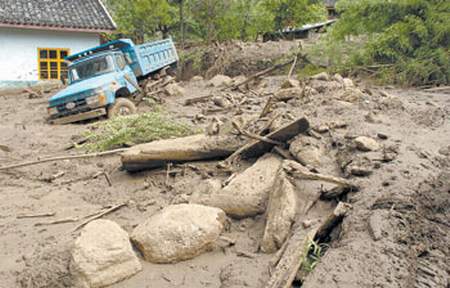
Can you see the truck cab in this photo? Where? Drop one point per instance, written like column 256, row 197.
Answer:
column 102, row 80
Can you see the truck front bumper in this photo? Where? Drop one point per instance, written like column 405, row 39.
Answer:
column 78, row 117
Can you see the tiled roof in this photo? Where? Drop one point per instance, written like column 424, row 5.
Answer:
column 56, row 14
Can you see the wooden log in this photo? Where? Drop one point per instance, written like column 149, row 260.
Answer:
column 197, row 147
column 60, row 158
column 292, row 258
column 256, row 148
column 298, row 170
column 298, row 245
column 194, row 100
column 262, row 73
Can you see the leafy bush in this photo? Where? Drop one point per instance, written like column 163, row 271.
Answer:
column 134, row 129
column 406, row 40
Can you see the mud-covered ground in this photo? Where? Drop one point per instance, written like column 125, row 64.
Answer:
column 396, row 235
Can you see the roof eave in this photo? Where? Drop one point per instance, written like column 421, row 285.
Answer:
column 56, row 28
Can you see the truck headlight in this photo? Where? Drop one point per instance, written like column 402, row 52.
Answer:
column 52, row 111
column 99, row 99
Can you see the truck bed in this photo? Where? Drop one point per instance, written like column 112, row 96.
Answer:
column 154, row 56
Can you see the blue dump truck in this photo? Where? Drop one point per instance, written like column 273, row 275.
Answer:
column 102, row 81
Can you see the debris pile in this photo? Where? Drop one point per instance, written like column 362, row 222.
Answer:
column 283, row 155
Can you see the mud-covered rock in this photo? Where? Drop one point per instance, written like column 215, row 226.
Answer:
column 220, row 81
column 179, row 232
column 246, row 195
column 290, row 83
column 306, row 150
column 174, row 90
column 102, row 255
column 366, row 144
column 323, row 76
column 281, row 209
column 288, row 94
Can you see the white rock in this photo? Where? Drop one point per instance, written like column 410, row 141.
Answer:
column 102, row 255
column 306, row 151
column 289, row 93
column 247, row 194
column 174, row 90
column 321, row 76
column 220, row 81
column 348, row 83
column 366, row 144
column 337, row 77
column 281, row 214
column 197, row 78
column 179, row 232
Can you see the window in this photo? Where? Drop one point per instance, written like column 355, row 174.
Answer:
column 51, row 63
column 91, row 68
column 120, row 62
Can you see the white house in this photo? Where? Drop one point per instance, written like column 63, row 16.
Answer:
column 36, row 35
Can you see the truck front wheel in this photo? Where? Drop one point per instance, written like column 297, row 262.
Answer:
column 122, row 107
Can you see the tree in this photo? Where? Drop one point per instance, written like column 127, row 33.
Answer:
column 142, row 19
column 409, row 37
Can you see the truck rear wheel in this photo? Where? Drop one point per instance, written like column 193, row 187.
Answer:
column 122, row 107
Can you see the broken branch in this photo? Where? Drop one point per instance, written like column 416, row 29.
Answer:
column 70, row 157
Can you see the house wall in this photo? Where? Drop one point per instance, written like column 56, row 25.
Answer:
column 19, row 51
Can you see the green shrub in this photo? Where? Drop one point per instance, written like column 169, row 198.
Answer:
column 406, row 40
column 134, row 129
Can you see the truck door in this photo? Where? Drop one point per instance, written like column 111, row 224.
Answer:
column 127, row 76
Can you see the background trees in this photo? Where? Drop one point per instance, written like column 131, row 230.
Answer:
column 211, row 20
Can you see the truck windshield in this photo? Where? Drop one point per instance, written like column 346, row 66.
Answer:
column 91, row 68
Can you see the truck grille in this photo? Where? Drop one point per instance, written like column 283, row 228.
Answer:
column 80, row 106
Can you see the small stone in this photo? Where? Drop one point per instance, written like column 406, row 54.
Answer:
column 338, row 78
column 221, row 102
column 102, row 255
column 324, row 76
column 220, row 81
column 360, row 171
column 174, row 90
column 197, row 78
column 348, row 83
column 366, row 144
column 290, row 83
column 382, row 136
column 288, row 94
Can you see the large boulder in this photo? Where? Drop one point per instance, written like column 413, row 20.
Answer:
column 281, row 212
column 179, row 232
column 246, row 195
column 102, row 255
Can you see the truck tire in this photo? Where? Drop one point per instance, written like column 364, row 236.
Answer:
column 122, row 107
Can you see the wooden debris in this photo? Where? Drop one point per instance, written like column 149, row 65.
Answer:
column 254, row 136
column 297, row 248
column 100, row 214
column 197, row 147
column 198, row 99
column 257, row 148
column 260, row 74
column 292, row 258
column 291, row 71
column 59, row 221
column 39, row 215
column 61, row 158
column 297, row 170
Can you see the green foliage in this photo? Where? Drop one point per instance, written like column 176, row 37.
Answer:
column 315, row 252
column 212, row 20
column 134, row 129
column 407, row 39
